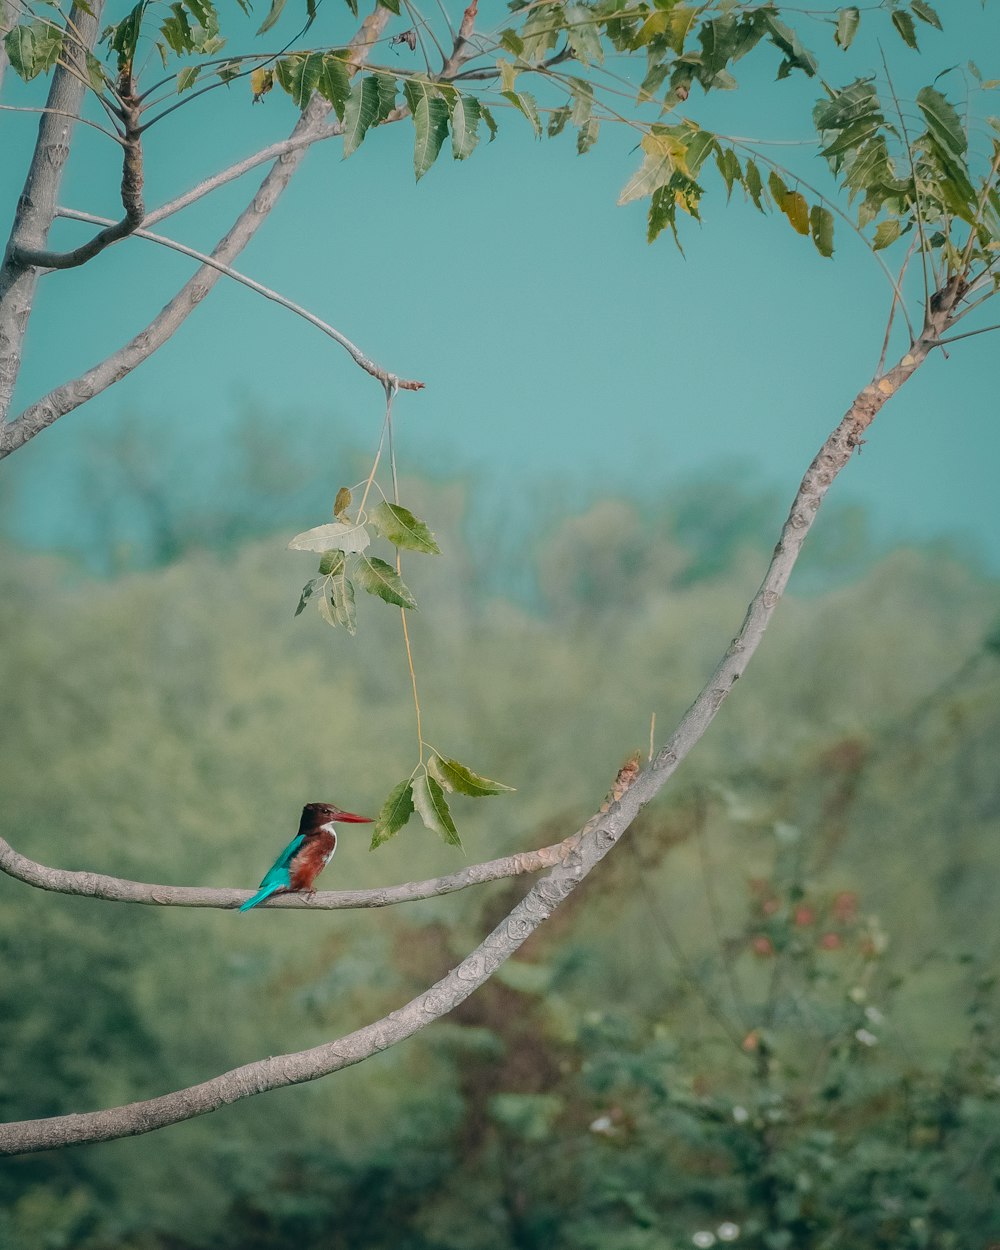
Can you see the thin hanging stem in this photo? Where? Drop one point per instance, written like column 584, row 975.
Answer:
column 391, row 388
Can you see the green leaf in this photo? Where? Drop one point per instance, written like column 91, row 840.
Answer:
column 729, row 167
column 848, row 21
column 904, row 25
column 526, row 104
column 464, row 110
column 943, row 123
column 776, row 185
column 272, row 16
column 460, row 779
column 326, row 610
column 487, row 116
column 541, row 32
column 300, row 75
column 583, row 101
column 787, row 41
column 308, row 590
column 342, row 501
column 511, row 41
column 753, row 184
column 582, row 35
column 393, row 814
column 187, row 77
column 386, row 102
column 557, row 120
column 429, row 800
column 95, row 72
column 821, row 228
column 391, row 5
column 359, row 113
column 124, row 37
column 403, row 529
column 342, row 599
column 381, row 579
column 587, row 136
column 926, row 14
column 886, row 233
column 336, row 536
column 430, row 123
column 334, row 83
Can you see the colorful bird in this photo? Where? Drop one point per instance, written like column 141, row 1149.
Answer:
column 308, row 853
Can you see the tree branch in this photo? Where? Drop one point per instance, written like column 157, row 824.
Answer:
column 131, row 194
column 352, row 349
column 602, row 832
column 119, row 890
column 37, row 203
column 64, row 399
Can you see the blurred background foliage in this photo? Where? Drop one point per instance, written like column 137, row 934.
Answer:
column 767, row 1020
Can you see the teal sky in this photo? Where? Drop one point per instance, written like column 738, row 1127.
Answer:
column 558, row 348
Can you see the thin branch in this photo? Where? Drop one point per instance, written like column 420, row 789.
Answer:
column 120, row 890
column 64, row 399
column 352, row 349
column 919, row 214
column 84, row 121
column 271, row 153
column 131, row 195
column 603, row 831
column 954, row 338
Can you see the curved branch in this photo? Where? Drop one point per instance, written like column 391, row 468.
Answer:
column 131, row 195
column 602, row 833
column 119, row 890
column 352, row 349
column 64, row 399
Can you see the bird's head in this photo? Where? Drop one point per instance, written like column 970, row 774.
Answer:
column 317, row 816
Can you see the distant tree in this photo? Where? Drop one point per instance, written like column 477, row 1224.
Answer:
column 914, row 176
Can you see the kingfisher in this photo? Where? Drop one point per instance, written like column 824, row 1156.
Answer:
column 308, row 853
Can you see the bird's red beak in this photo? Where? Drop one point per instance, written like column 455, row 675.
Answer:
column 351, row 819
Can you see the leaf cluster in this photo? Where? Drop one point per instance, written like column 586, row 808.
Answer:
column 342, row 544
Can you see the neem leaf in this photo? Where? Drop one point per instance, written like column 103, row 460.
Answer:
column 848, row 21
column 342, row 599
column 795, row 208
column 926, row 13
column 821, row 227
column 359, row 113
column 943, row 123
column 331, row 563
column 464, row 110
column 381, row 579
column 429, row 800
column 403, row 529
column 335, row 536
column 582, row 34
column 308, row 590
column 460, row 779
column 886, row 232
column 903, row 23
column 430, row 123
column 272, row 17
column 393, row 814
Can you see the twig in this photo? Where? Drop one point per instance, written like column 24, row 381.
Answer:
column 352, row 349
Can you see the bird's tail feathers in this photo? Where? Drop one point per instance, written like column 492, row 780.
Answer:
column 263, row 893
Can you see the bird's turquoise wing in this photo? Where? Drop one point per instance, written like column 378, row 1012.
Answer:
column 278, row 876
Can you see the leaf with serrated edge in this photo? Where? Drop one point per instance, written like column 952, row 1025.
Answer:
column 430, row 124
column 403, row 529
column 429, row 800
column 326, row 611
column 848, row 21
column 359, row 113
column 342, row 598
column 460, row 779
column 308, row 591
column 393, row 814
column 381, row 579
column 333, row 537
column 464, row 112
column 821, row 227
column 886, row 233
column 272, row 17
